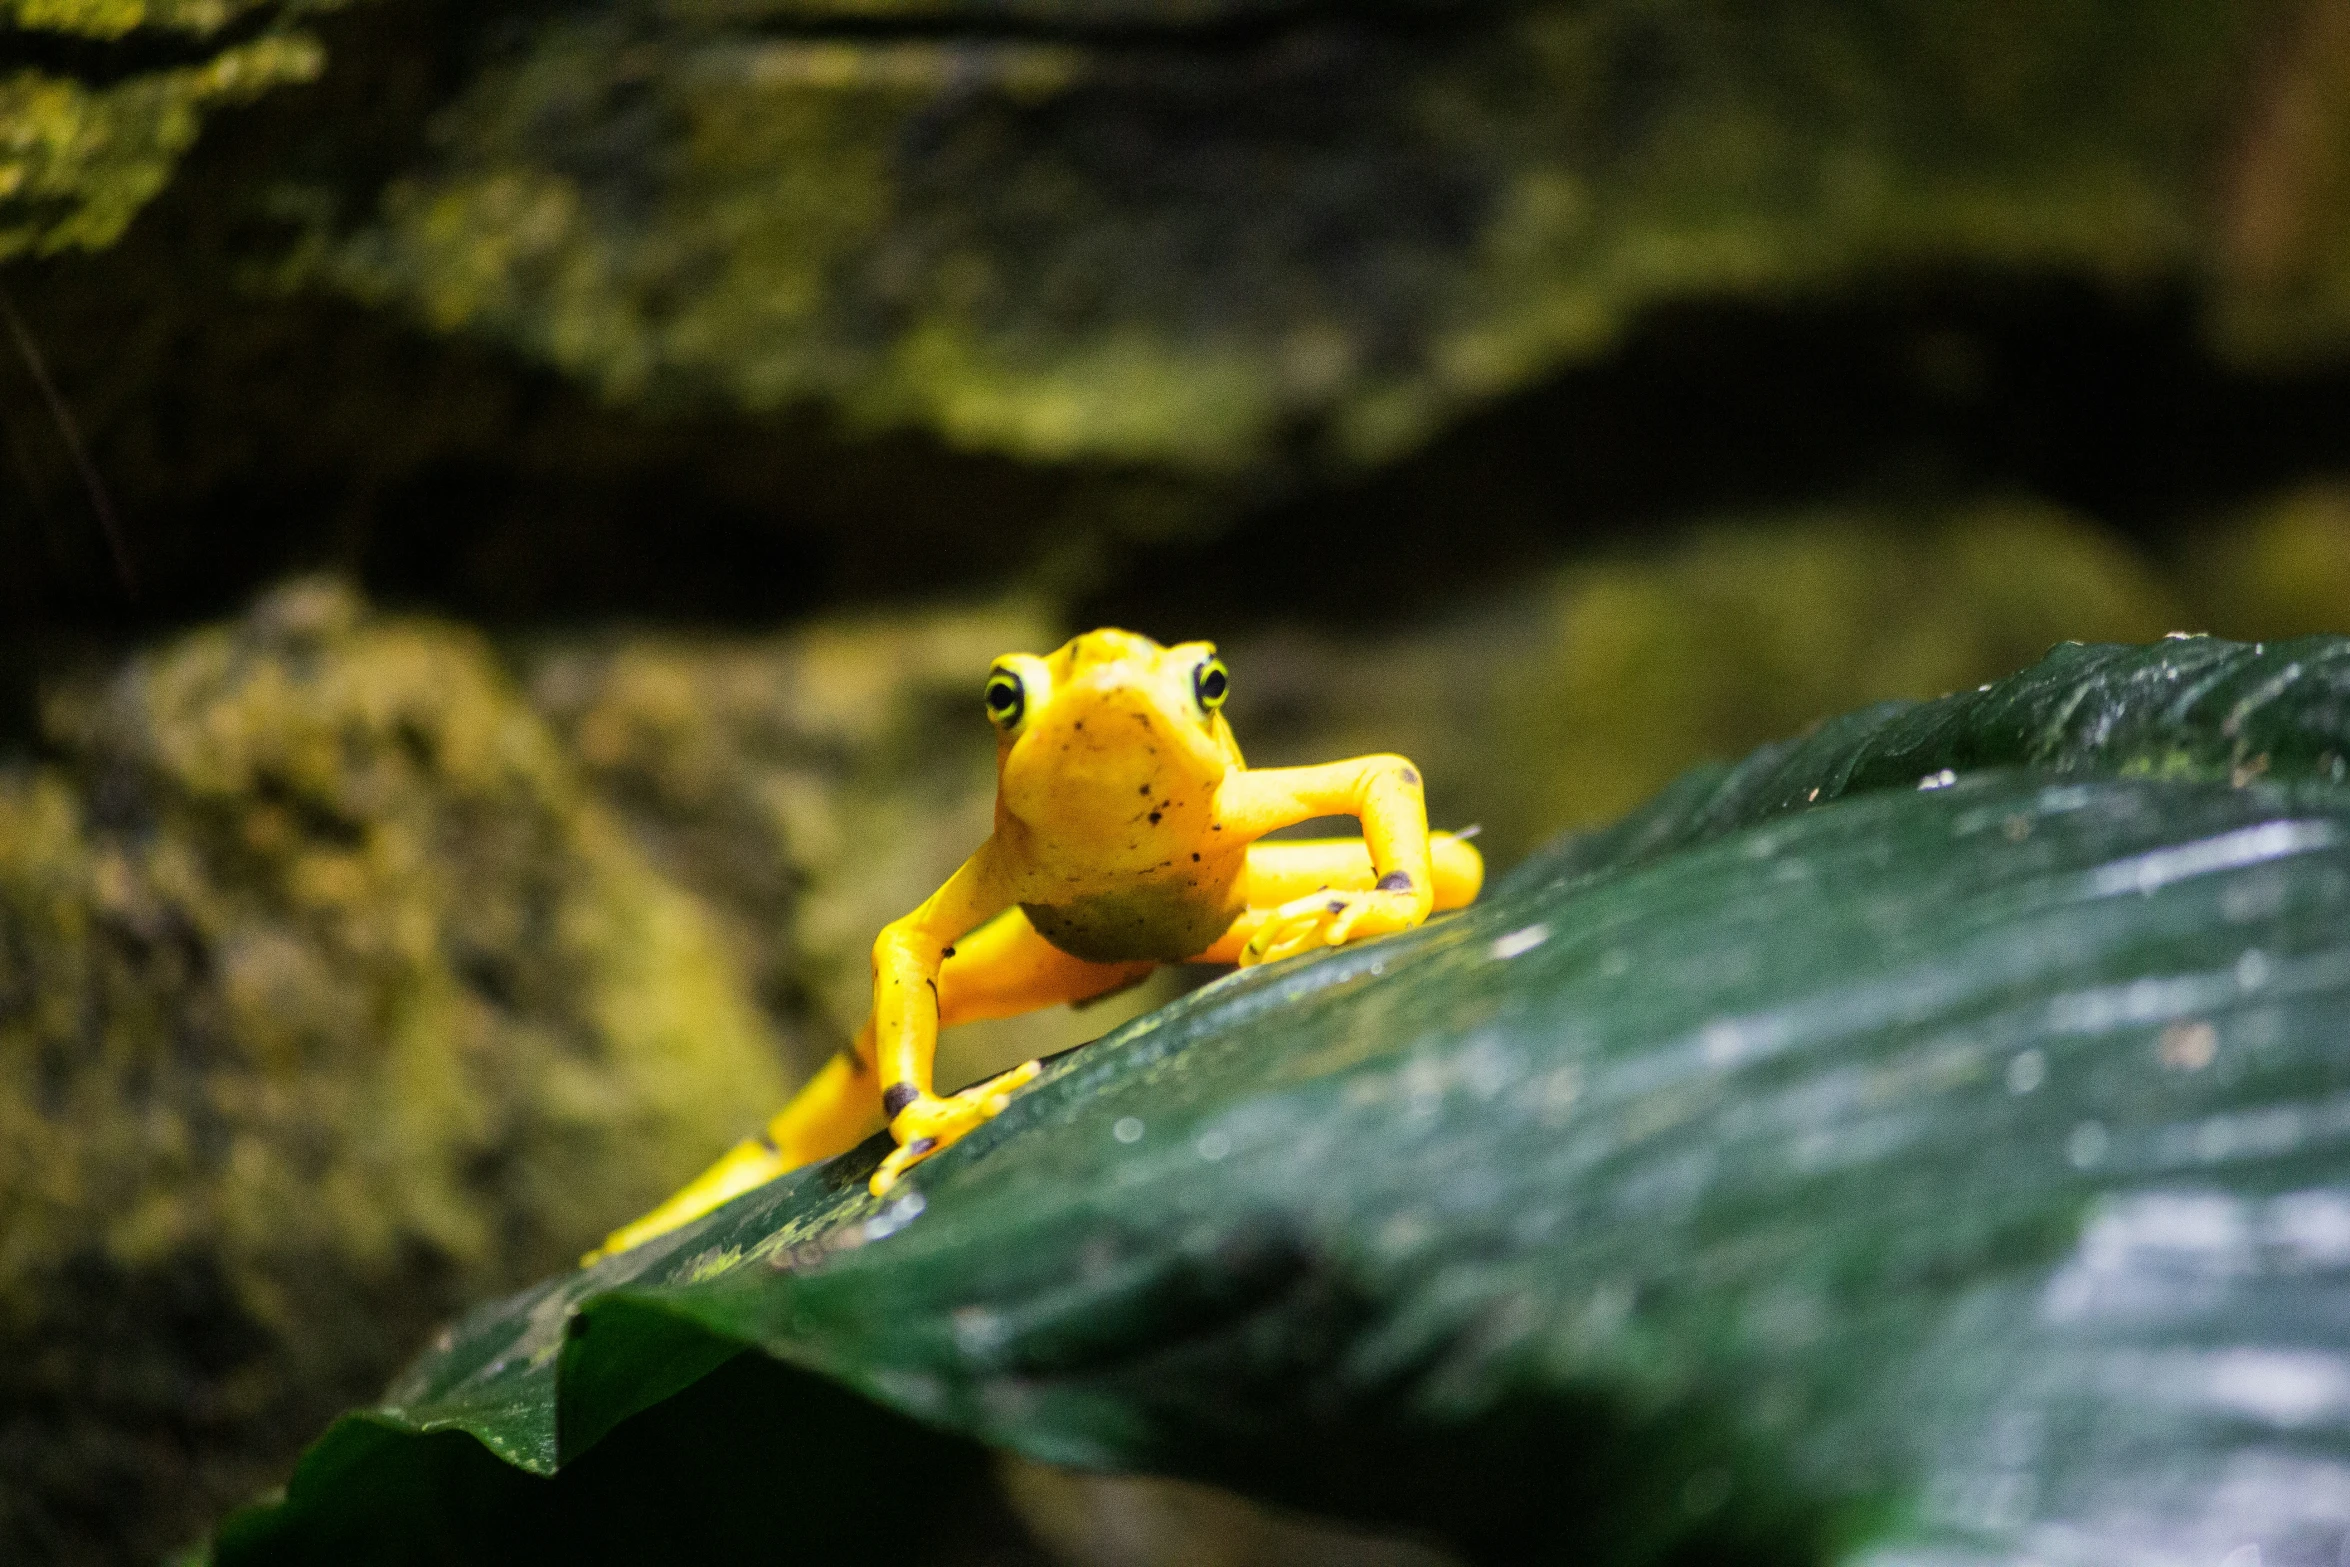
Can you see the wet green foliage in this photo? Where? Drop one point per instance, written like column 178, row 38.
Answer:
column 1920, row 1141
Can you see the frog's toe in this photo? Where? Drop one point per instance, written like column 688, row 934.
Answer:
column 914, row 1150
column 929, row 1125
column 901, row 1159
column 997, row 1091
column 1327, row 919
column 1294, row 927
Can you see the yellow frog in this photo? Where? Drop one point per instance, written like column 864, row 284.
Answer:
column 1126, row 830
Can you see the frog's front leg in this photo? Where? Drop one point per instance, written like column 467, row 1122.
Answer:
column 1001, row 969
column 1287, row 880
column 1384, row 793
column 907, row 956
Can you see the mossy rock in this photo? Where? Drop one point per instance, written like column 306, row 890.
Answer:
column 1209, row 235
column 329, row 998
column 89, row 135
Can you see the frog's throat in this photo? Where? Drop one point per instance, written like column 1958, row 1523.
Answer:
column 1162, row 922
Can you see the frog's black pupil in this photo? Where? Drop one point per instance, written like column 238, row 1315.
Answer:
column 1003, row 697
column 1211, row 683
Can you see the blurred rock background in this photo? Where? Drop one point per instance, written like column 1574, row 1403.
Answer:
column 507, row 506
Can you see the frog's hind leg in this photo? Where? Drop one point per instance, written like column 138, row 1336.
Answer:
column 999, row 970
column 834, row 1111
column 1285, row 871
column 1002, row 969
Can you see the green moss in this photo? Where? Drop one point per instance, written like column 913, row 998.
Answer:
column 112, row 19
column 336, row 1001
column 78, row 161
column 1211, row 236
column 1189, row 248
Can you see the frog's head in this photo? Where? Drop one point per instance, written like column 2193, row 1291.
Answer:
column 1110, row 731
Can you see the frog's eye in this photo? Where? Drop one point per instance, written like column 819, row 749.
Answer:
column 1210, row 682
column 1006, row 698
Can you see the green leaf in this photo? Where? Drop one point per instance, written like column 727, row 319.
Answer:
column 1841, row 1158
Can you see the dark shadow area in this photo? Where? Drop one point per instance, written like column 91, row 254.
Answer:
column 158, row 1399
column 834, row 1480
column 1240, row 1370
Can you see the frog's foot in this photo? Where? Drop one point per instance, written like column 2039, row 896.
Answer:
column 929, row 1124
column 1328, row 919
column 750, row 1163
